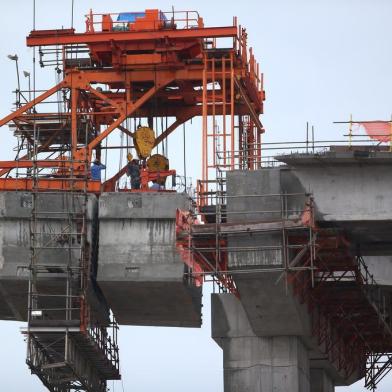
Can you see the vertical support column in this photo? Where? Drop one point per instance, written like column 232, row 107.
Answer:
column 232, row 130
column 224, row 103
column 241, row 142
column 258, row 150
column 213, row 133
column 205, row 123
column 252, row 363
column 74, row 121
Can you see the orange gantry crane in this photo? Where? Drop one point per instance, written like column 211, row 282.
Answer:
column 138, row 65
column 157, row 67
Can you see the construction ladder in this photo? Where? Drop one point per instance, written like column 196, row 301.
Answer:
column 65, row 349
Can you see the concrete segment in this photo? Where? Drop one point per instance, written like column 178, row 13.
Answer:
column 15, row 254
column 350, row 190
column 254, row 196
column 140, row 270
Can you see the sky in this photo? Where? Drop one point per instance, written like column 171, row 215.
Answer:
column 322, row 61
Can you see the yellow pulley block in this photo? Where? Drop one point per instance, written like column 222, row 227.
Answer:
column 144, row 139
column 158, row 163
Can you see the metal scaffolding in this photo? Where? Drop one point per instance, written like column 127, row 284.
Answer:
column 351, row 316
column 68, row 347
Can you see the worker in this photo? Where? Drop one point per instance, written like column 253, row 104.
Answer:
column 133, row 171
column 96, row 169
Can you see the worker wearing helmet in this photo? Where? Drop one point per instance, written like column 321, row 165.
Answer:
column 96, row 169
column 133, row 171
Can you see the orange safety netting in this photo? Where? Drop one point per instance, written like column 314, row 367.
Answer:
column 378, row 130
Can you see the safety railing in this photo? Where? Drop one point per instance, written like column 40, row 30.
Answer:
column 257, row 156
column 272, row 152
column 106, row 339
column 280, row 212
column 184, row 19
column 146, row 20
column 286, row 205
column 247, row 57
column 184, row 185
column 215, row 251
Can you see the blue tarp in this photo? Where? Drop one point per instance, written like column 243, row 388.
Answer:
column 131, row 16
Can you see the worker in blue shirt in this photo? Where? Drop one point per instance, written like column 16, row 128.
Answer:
column 133, row 171
column 96, row 169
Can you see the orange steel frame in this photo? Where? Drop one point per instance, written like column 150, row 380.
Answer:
column 157, row 67
column 349, row 313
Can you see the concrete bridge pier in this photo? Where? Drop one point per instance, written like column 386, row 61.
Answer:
column 254, row 363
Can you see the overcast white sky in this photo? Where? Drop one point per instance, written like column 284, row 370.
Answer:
column 322, row 60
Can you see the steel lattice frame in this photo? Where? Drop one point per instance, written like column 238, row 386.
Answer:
column 351, row 315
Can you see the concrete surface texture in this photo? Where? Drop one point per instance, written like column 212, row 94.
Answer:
column 270, row 309
column 252, row 196
column 350, row 190
column 255, row 363
column 140, row 271
column 381, row 269
column 320, row 381
column 15, row 254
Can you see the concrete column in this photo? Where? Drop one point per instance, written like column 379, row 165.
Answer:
column 252, row 363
